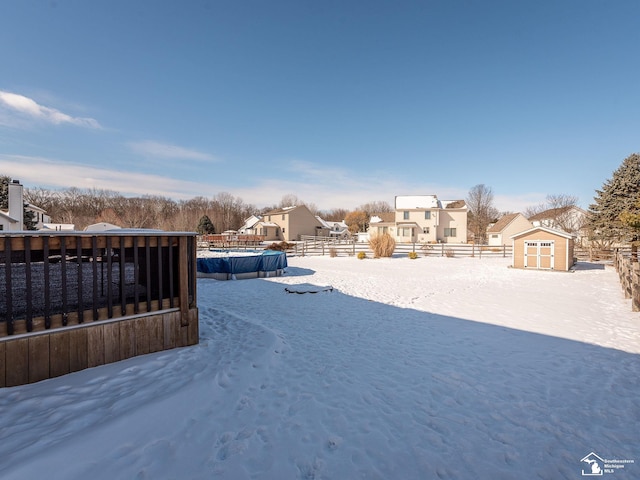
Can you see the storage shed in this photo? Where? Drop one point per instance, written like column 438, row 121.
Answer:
column 543, row 248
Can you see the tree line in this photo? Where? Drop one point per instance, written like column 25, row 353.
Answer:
column 224, row 211
column 614, row 217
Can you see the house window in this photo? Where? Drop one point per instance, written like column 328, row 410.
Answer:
column 283, row 216
column 449, row 232
column 405, row 215
column 269, row 218
column 405, row 232
column 425, row 230
column 283, row 230
column 427, row 215
column 495, row 235
column 1, row 227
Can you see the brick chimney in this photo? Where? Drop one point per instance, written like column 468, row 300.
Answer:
column 16, row 204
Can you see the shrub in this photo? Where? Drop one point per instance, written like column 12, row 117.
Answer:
column 333, row 253
column 382, row 245
column 413, row 255
column 362, row 255
column 448, row 252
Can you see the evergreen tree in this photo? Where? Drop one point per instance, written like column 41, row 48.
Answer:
column 29, row 219
column 618, row 194
column 205, row 226
column 4, row 192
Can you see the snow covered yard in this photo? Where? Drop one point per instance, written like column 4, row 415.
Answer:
column 430, row 368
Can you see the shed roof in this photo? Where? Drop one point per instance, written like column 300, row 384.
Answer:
column 552, row 231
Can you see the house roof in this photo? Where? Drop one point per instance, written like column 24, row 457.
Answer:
column 555, row 212
column 553, row 231
column 6, row 215
column 504, row 221
column 387, row 217
column 423, row 202
column 279, row 211
column 453, row 203
column 416, row 201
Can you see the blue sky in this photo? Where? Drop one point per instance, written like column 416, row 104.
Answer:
column 337, row 102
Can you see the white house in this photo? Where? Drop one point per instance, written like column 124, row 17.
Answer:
column 570, row 219
column 13, row 219
column 335, row 229
column 425, row 219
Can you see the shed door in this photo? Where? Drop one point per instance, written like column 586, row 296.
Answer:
column 539, row 254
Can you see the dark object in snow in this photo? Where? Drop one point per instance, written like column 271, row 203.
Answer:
column 306, row 288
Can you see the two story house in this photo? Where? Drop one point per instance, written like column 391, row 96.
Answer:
column 425, row 219
column 289, row 224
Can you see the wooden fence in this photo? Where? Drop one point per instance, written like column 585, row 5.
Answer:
column 347, row 247
column 69, row 301
column 225, row 240
column 628, row 270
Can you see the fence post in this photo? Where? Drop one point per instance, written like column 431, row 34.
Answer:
column 635, row 291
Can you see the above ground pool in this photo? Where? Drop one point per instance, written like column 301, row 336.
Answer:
column 232, row 265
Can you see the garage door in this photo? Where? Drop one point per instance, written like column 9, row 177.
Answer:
column 539, row 254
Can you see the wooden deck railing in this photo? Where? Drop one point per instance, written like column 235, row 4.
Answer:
column 59, row 279
column 70, row 301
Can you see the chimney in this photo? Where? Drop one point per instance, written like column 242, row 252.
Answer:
column 16, row 204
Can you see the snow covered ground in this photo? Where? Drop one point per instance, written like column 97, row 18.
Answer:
column 457, row 368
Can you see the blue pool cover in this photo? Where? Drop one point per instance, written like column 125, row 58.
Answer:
column 266, row 261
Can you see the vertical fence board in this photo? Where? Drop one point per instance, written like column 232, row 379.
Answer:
column 3, row 364
column 95, row 346
column 141, row 328
column 79, row 348
column 194, row 330
column 156, row 334
column 59, row 352
column 170, row 330
column 38, row 358
column 111, row 342
column 17, row 352
column 127, row 340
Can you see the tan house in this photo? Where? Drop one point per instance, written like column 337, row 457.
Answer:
column 425, row 219
column 500, row 233
column 289, row 224
column 571, row 219
column 543, row 248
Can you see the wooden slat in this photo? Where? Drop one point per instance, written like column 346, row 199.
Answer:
column 17, row 354
column 111, row 342
column 95, row 346
column 3, row 364
column 59, row 352
column 156, row 333
column 79, row 348
column 142, row 327
column 38, row 358
column 183, row 273
column 170, row 326
column 127, row 339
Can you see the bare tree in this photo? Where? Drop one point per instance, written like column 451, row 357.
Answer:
column 481, row 212
column 558, row 212
column 378, row 206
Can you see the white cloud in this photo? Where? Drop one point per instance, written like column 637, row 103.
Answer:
column 47, row 173
column 165, row 150
column 342, row 189
column 30, row 108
